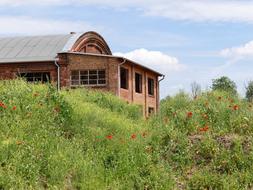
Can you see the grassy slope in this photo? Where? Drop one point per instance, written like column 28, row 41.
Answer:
column 88, row 140
column 61, row 141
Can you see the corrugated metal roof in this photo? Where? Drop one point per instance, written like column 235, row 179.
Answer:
column 34, row 48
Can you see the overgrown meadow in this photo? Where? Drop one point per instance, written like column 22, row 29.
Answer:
column 80, row 139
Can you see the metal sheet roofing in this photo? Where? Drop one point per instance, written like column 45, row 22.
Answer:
column 34, row 48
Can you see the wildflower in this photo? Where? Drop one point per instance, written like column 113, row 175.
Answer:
column 149, row 149
column 166, row 120
column 205, row 116
column 219, row 98
column 36, row 94
column 14, row 108
column 189, row 114
column 204, row 129
column 19, row 142
column 3, row 105
column 133, row 136
column 236, row 107
column 57, row 109
column 109, row 137
column 144, row 134
column 29, row 114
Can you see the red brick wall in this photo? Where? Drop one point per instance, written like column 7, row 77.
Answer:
column 86, row 62
column 143, row 98
column 11, row 70
column 70, row 62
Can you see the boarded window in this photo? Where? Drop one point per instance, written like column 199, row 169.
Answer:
column 123, row 78
column 138, row 83
column 88, row 78
column 36, row 77
column 150, row 86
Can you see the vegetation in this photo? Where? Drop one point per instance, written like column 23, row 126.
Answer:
column 195, row 89
column 79, row 139
column 249, row 91
column 224, row 84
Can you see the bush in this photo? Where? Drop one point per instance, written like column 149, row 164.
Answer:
column 249, row 91
column 224, row 84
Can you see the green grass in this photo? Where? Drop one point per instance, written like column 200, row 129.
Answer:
column 80, row 139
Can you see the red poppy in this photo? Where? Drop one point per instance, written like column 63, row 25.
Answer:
column 3, row 105
column 204, row 129
column 236, row 107
column 133, row 136
column 189, row 114
column 14, row 108
column 109, row 137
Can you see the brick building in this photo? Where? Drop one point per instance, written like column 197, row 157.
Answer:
column 79, row 60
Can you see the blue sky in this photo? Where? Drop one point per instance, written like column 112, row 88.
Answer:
column 188, row 40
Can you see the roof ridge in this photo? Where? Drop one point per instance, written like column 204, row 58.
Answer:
column 31, row 36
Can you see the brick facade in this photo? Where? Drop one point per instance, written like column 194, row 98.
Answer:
column 89, row 54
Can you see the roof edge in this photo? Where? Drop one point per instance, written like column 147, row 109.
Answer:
column 112, row 56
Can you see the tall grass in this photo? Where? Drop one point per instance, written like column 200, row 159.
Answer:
column 208, row 140
column 73, row 140
column 80, row 139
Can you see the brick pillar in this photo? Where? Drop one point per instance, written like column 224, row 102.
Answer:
column 64, row 71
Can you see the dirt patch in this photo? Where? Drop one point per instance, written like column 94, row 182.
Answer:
column 195, row 138
column 227, row 140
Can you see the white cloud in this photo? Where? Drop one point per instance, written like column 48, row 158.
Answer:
column 32, row 26
column 193, row 10
column 241, row 52
column 154, row 59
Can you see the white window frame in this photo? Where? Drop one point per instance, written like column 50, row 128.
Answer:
column 88, row 78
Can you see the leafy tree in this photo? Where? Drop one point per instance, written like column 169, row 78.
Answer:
column 249, row 91
column 224, row 84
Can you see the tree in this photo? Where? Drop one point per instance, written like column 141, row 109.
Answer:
column 249, row 91
column 196, row 89
column 224, row 84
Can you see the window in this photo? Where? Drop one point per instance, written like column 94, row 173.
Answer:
column 150, row 86
column 138, row 83
column 151, row 110
column 123, row 78
column 36, row 77
column 88, row 78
